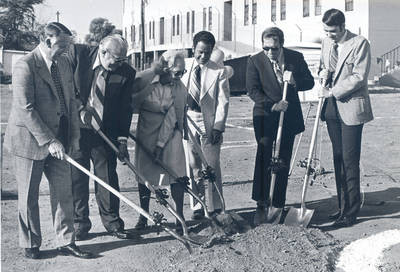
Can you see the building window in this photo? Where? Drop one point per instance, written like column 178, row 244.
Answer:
column 150, row 31
column 273, row 10
column 204, row 18
column 178, row 18
column 254, row 12
column 317, row 7
column 133, row 33
column 209, row 18
column 348, row 5
column 306, row 8
column 162, row 30
column 246, row 12
column 154, row 23
column 283, row 10
column 173, row 25
column 193, row 21
column 140, row 32
column 187, row 22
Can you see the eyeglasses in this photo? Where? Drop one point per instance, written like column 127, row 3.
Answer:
column 115, row 58
column 178, row 74
column 274, row 49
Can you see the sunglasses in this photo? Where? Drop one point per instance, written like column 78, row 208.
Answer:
column 274, row 49
column 115, row 58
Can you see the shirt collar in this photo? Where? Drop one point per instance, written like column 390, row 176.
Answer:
column 156, row 79
column 97, row 62
column 343, row 38
column 280, row 59
column 45, row 58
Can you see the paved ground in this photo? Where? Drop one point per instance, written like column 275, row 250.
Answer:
column 263, row 248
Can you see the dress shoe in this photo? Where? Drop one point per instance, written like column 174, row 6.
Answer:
column 32, row 253
column 198, row 214
column 73, row 250
column 141, row 224
column 334, row 216
column 81, row 236
column 260, row 215
column 123, row 234
column 345, row 221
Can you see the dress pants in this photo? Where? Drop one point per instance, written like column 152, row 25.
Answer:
column 28, row 175
column 346, row 146
column 105, row 162
column 262, row 175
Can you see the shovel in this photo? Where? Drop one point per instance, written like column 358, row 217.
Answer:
column 302, row 217
column 274, row 214
column 157, row 220
column 159, row 194
column 231, row 222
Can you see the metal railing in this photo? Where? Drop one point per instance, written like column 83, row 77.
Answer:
column 390, row 60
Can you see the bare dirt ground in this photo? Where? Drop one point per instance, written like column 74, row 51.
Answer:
column 264, row 248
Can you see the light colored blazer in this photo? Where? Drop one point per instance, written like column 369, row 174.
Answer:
column 350, row 80
column 35, row 112
column 214, row 95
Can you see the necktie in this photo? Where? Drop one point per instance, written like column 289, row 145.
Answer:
column 57, row 82
column 98, row 93
column 333, row 58
column 278, row 72
column 195, row 85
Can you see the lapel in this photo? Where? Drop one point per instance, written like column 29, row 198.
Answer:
column 269, row 75
column 347, row 46
column 43, row 71
column 209, row 78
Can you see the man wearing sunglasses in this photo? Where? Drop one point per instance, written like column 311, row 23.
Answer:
column 103, row 82
column 264, row 83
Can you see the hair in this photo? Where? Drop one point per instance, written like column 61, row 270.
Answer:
column 333, row 17
column 53, row 28
column 271, row 32
column 115, row 38
column 204, row 36
column 170, row 56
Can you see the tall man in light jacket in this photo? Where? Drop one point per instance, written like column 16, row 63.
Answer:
column 208, row 103
column 344, row 68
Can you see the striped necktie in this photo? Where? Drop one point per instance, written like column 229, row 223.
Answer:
column 195, row 85
column 98, row 94
column 55, row 75
column 278, row 72
column 333, row 59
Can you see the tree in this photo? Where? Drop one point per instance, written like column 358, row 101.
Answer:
column 17, row 23
column 99, row 28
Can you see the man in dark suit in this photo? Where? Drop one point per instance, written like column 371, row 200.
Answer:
column 344, row 68
column 103, row 83
column 43, row 126
column 264, row 83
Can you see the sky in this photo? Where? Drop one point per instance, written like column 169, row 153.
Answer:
column 77, row 14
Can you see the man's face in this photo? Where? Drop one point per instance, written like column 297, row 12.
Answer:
column 178, row 69
column 59, row 44
column 111, row 56
column 202, row 52
column 272, row 47
column 334, row 32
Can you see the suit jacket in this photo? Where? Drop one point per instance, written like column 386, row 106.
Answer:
column 264, row 89
column 350, row 80
column 214, row 95
column 117, row 113
column 35, row 112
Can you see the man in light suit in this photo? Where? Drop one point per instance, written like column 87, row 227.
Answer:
column 344, row 67
column 264, row 83
column 208, row 103
column 42, row 127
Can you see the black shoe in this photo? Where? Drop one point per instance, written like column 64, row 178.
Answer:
column 198, row 214
column 73, row 250
column 345, row 221
column 334, row 216
column 141, row 224
column 81, row 236
column 32, row 253
column 123, row 234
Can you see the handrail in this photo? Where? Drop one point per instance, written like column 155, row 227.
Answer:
column 390, row 60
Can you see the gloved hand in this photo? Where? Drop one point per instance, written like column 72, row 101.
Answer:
column 56, row 149
column 280, row 106
column 216, row 136
column 123, row 150
column 157, row 153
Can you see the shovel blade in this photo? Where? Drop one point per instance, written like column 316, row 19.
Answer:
column 299, row 217
column 273, row 215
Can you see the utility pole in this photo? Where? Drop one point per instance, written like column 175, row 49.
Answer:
column 142, row 58
column 58, row 16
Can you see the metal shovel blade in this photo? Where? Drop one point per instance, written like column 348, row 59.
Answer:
column 273, row 215
column 299, row 217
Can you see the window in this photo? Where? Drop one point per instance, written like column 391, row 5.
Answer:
column 133, row 33
column 283, row 10
column 187, row 22
column 209, row 18
column 173, row 25
column 204, row 18
column 192, row 21
column 317, row 7
column 140, row 32
column 306, row 8
column 348, row 5
column 162, row 30
column 177, row 24
column 273, row 10
column 254, row 12
column 150, row 31
column 246, row 12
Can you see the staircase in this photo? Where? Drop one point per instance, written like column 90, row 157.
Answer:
column 390, row 68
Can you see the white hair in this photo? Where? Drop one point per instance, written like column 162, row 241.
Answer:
column 115, row 39
column 170, row 56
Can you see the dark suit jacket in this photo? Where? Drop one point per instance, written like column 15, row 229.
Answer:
column 117, row 114
column 263, row 88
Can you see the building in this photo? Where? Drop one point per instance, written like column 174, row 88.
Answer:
column 237, row 25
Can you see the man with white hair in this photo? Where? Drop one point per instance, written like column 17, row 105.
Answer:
column 103, row 82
